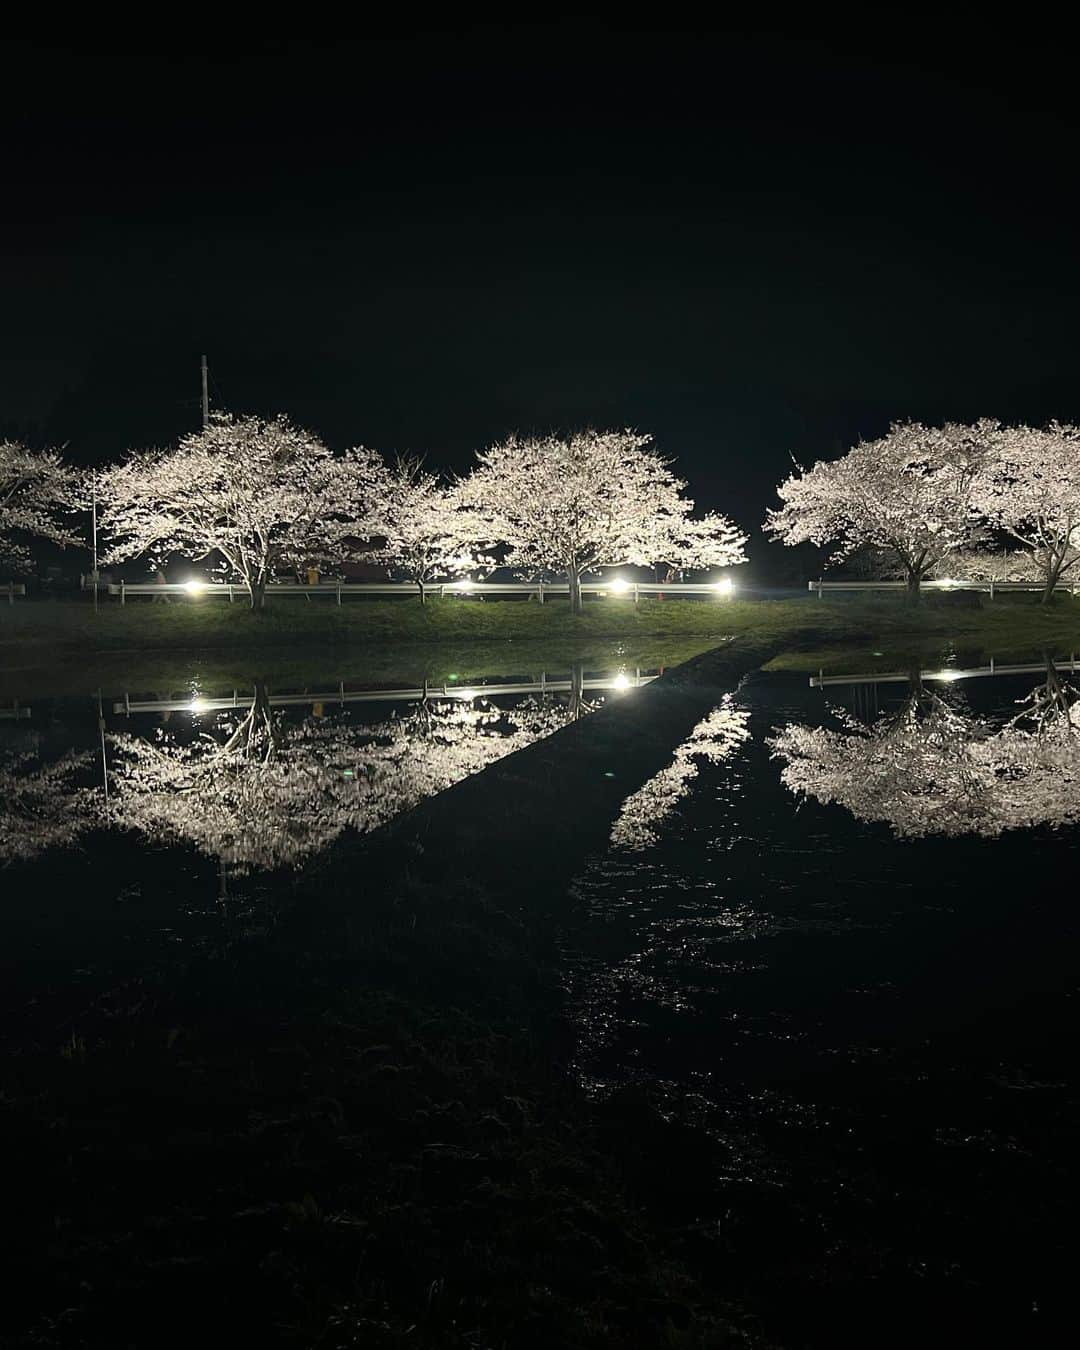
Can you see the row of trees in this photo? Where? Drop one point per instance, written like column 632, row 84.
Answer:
column 931, row 497
column 258, row 497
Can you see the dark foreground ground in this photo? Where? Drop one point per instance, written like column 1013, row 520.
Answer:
column 341, row 1116
column 342, row 1119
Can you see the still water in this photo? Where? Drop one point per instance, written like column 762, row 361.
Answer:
column 839, row 933
column 836, row 934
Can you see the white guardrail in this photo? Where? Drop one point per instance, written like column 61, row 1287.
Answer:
column 949, row 584
column 629, row 590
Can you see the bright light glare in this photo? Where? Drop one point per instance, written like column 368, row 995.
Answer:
column 198, row 705
column 194, row 586
column 724, row 587
column 949, row 675
column 948, row 583
column 619, row 585
column 465, row 585
column 467, row 693
column 621, row 681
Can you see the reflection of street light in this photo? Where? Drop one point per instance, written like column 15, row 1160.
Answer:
column 465, row 585
column 198, row 705
column 724, row 587
column 620, row 585
column 621, row 681
column 194, row 587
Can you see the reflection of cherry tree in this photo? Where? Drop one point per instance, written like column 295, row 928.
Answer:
column 263, row 791
column 44, row 803
column 934, row 769
column 712, row 740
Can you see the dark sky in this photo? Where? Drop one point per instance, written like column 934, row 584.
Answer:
column 750, row 244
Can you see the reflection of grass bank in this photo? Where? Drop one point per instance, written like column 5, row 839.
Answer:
column 218, row 672
column 354, row 1129
column 898, row 652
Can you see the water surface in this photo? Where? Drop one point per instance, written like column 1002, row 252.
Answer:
column 839, row 933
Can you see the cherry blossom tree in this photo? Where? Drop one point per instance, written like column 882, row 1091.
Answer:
column 431, row 535
column 911, row 493
column 37, row 490
column 260, row 494
column 1030, row 489
column 934, row 769
column 572, row 504
column 982, row 564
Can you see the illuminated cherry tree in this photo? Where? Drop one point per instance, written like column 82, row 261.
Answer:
column 431, row 535
column 1031, row 490
column 570, row 505
column 934, row 769
column 982, row 564
column 261, row 495
column 713, row 740
column 911, row 493
column 37, row 491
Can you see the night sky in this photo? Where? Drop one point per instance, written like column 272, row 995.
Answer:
column 752, row 245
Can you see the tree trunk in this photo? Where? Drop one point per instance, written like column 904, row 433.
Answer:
column 420, row 588
column 577, row 690
column 258, row 593
column 574, row 578
column 914, row 583
column 1053, row 575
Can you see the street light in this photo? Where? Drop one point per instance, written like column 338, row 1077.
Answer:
column 620, row 585
column 724, row 587
column 194, row 587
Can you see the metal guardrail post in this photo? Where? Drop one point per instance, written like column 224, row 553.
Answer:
column 11, row 593
column 637, row 594
column 540, row 590
column 339, row 593
column 123, row 597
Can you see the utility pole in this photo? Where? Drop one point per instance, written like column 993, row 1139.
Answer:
column 205, row 398
column 93, row 517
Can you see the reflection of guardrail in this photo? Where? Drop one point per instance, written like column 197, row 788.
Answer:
column 12, row 589
column 341, row 695
column 821, row 681
column 629, row 590
column 949, row 584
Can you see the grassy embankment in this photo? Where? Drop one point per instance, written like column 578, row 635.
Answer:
column 36, row 629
